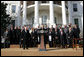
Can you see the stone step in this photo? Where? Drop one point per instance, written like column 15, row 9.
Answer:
column 35, row 52
column 47, row 46
column 14, row 46
column 17, row 46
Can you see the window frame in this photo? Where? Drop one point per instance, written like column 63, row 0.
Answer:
column 44, row 19
column 13, row 9
column 75, row 7
column 55, row 20
column 76, row 20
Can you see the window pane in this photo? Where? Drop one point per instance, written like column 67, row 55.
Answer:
column 13, row 8
column 75, row 7
column 32, row 20
column 55, row 20
column 44, row 19
column 76, row 21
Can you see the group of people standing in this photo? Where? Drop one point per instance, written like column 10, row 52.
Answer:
column 55, row 37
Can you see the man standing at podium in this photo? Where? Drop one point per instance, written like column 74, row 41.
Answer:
column 35, row 37
column 46, row 34
column 62, row 37
column 42, row 31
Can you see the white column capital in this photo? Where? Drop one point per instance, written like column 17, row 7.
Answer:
column 51, row 2
column 36, row 2
column 19, row 3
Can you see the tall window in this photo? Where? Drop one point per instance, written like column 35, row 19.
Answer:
column 13, row 8
column 55, row 20
column 76, row 21
column 75, row 8
column 32, row 20
column 44, row 19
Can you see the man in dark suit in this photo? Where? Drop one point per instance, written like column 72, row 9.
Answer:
column 70, row 37
column 11, row 35
column 28, row 37
column 39, row 36
column 66, row 34
column 15, row 35
column 32, row 37
column 21, row 38
column 46, row 34
column 25, row 34
column 50, row 38
column 18, row 34
column 62, row 37
column 76, row 30
column 42, row 28
column 53, row 34
column 57, row 39
column 35, row 37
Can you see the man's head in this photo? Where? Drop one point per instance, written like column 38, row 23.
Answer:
column 65, row 26
column 18, row 27
column 42, row 26
column 51, row 26
column 11, row 27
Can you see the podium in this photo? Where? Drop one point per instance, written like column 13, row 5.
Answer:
column 42, row 43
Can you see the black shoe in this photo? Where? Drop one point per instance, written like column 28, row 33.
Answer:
column 26, row 48
column 23, row 48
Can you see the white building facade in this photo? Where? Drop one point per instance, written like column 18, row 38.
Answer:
column 49, row 13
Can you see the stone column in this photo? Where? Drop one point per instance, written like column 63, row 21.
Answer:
column 24, row 12
column 36, row 14
column 82, row 13
column 82, row 21
column 64, row 13
column 18, row 13
column 82, row 17
column 69, row 11
column 52, row 14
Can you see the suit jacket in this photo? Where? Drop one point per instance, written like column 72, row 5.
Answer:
column 57, row 34
column 32, row 34
column 11, row 34
column 15, row 33
column 62, row 37
column 25, row 35
column 35, row 34
column 76, row 32
column 70, row 34
column 53, row 33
